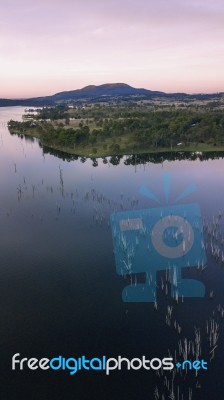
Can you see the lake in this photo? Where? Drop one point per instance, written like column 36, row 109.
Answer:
column 59, row 287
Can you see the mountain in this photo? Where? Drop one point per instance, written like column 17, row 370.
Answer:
column 106, row 92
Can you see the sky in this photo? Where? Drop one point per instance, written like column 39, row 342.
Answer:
column 48, row 46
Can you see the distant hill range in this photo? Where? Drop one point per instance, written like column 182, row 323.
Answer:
column 106, row 92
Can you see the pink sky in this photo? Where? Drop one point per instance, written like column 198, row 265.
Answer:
column 48, row 46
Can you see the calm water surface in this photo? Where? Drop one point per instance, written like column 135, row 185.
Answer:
column 60, row 294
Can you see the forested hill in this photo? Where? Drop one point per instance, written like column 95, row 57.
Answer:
column 106, row 92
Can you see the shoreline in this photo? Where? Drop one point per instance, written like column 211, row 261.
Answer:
column 84, row 151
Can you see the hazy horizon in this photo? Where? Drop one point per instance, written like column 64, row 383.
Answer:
column 52, row 46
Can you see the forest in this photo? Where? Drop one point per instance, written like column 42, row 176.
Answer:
column 120, row 129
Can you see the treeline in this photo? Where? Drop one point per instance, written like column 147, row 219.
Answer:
column 53, row 113
column 163, row 128
column 64, row 137
column 51, row 136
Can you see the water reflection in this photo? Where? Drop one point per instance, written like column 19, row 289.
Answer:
column 139, row 159
column 58, row 271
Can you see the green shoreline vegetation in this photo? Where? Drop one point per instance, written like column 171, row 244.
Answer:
column 105, row 129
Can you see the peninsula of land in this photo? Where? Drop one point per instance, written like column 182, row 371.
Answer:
column 123, row 123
